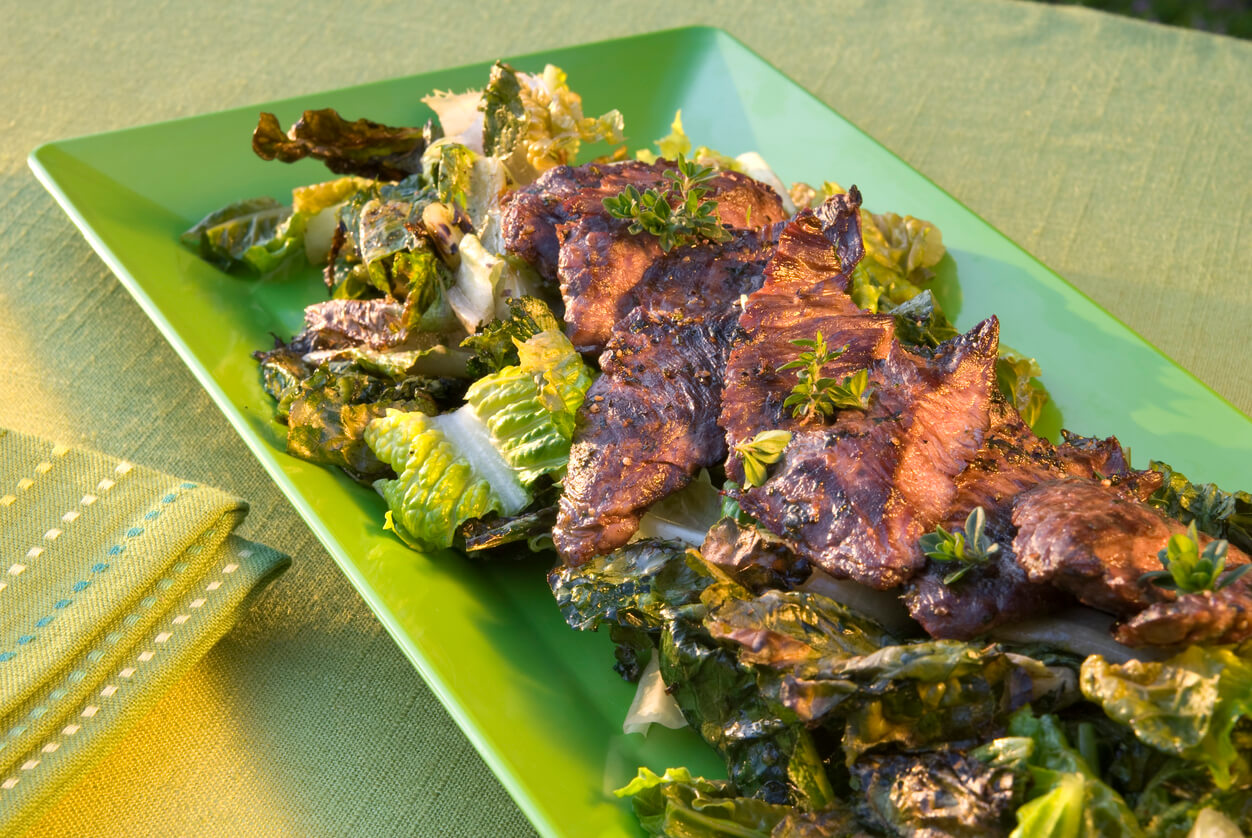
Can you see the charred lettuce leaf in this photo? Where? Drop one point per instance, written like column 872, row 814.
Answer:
column 328, row 412
column 941, row 792
column 504, row 113
column 535, row 122
column 494, row 345
column 828, row 665
column 767, row 753
column 377, row 324
column 366, row 148
column 719, row 697
column 635, row 591
column 637, row 586
column 259, row 234
column 514, row 428
column 1221, row 514
column 1181, row 798
column 677, row 804
column 1188, row 705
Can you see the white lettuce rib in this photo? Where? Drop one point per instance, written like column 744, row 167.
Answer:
column 471, row 440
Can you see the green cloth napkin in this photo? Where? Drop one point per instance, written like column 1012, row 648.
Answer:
column 114, row 579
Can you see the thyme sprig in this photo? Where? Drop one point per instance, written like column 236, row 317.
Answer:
column 814, row 395
column 764, row 449
column 1188, row 570
column 677, row 215
column 969, row 548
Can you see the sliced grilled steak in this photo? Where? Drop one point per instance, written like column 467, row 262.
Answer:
column 606, row 273
column 1012, row 460
column 566, row 193
column 559, row 225
column 531, row 214
column 855, row 498
column 986, row 596
column 1089, row 540
column 804, row 292
column 648, row 425
column 1223, row 616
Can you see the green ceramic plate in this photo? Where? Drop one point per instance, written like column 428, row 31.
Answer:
column 538, row 700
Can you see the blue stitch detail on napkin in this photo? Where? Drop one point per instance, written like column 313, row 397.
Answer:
column 6, row 656
column 64, row 603
column 99, row 567
column 116, row 549
column 24, row 639
column 134, row 531
column 43, row 621
column 170, row 498
column 81, row 584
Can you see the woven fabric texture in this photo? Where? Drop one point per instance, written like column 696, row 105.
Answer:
column 116, row 579
column 1113, row 150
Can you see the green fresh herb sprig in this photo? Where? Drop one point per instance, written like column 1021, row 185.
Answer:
column 817, row 396
column 1189, row 570
column 764, row 449
column 678, row 215
column 970, row 547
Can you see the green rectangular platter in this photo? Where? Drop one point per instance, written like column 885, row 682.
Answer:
column 537, row 699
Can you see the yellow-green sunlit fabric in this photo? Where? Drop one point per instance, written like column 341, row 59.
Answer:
column 114, row 578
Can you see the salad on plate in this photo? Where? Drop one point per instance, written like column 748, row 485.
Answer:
column 816, row 519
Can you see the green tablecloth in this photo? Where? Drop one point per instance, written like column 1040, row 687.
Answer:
column 1117, row 152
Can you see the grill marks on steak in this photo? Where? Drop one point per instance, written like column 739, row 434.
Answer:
column 648, row 425
column 606, row 273
column 855, row 497
column 804, row 292
column 1011, row 461
column 559, row 225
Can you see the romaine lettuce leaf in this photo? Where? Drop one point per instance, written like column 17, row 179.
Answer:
column 1187, row 706
column 328, row 194
column 1067, row 797
column 438, row 485
column 529, row 409
column 484, row 282
column 515, row 427
column 1015, row 375
column 258, row 234
column 363, row 147
column 535, row 122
